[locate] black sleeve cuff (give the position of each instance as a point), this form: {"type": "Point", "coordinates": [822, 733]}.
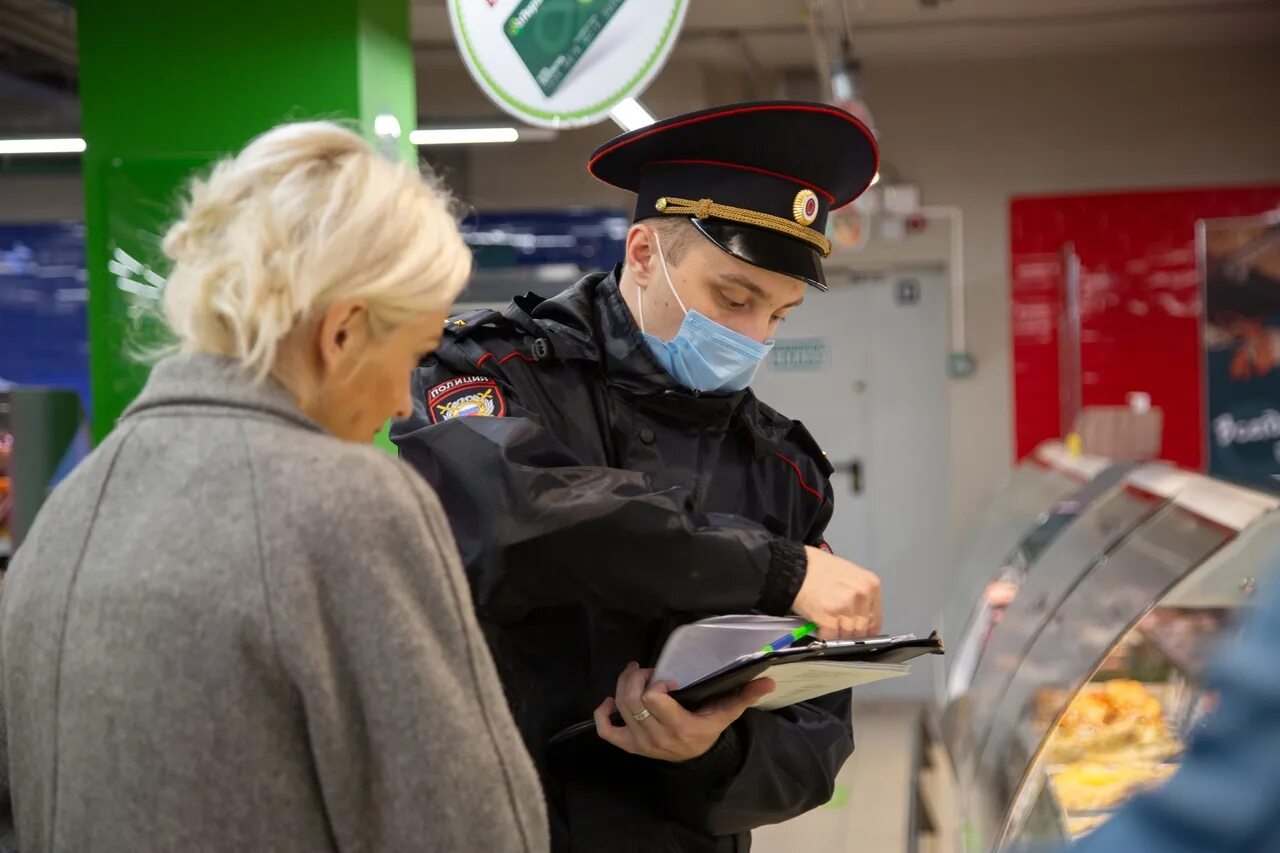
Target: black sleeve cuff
{"type": "Point", "coordinates": [788, 564]}
{"type": "Point", "coordinates": [714, 767]}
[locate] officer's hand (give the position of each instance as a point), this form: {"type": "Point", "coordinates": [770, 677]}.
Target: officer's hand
{"type": "Point", "coordinates": [842, 598]}
{"type": "Point", "coordinates": [669, 732]}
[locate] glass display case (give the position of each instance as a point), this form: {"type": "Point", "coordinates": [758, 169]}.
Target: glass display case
{"type": "Point", "coordinates": [1043, 494]}
{"type": "Point", "coordinates": [1034, 583]}
{"type": "Point", "coordinates": [1092, 700]}
{"type": "Point", "coordinates": [1038, 483]}
{"type": "Point", "coordinates": [999, 589]}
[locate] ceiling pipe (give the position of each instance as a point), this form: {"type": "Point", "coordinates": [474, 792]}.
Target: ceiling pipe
{"type": "Point", "coordinates": [23, 26]}
{"type": "Point", "coordinates": [37, 40]}
{"type": "Point", "coordinates": [955, 217]}
{"type": "Point", "coordinates": [821, 59]}
{"type": "Point", "coordinates": [871, 28]}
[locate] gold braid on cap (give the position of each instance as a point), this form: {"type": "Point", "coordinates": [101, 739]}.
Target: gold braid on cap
{"type": "Point", "coordinates": [708, 209]}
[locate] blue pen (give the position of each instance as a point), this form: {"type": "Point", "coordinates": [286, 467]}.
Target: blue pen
{"type": "Point", "coordinates": [787, 639]}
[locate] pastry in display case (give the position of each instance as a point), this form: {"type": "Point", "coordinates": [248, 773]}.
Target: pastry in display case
{"type": "Point", "coordinates": [1112, 721]}
{"type": "Point", "coordinates": [1113, 740]}
{"type": "Point", "coordinates": [1108, 691]}
{"type": "Point", "coordinates": [1083, 788]}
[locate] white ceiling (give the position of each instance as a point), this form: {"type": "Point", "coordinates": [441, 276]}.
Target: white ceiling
{"type": "Point", "coordinates": [774, 32]}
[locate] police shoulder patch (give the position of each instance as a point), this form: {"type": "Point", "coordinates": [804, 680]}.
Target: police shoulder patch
{"type": "Point", "coordinates": [466, 397]}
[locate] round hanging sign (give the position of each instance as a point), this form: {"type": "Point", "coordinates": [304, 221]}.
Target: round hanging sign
{"type": "Point", "coordinates": [564, 63]}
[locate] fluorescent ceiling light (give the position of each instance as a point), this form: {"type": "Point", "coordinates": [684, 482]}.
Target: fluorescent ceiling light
{"type": "Point", "coordinates": [631, 115]}
{"type": "Point", "coordinates": [464, 135]}
{"type": "Point", "coordinates": [41, 146]}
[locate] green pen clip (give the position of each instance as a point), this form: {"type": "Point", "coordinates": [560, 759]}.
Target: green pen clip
{"type": "Point", "coordinates": [789, 638]}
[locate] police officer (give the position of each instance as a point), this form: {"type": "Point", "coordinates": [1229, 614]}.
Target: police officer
{"type": "Point", "coordinates": [609, 476]}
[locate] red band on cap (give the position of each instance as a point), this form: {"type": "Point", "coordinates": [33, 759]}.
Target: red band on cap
{"type": "Point", "coordinates": [819, 190]}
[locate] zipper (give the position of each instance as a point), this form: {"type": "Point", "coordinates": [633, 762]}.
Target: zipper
{"type": "Point", "coordinates": [698, 474]}
{"type": "Point", "coordinates": [603, 410]}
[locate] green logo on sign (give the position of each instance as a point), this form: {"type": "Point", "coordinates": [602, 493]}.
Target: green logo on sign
{"type": "Point", "coordinates": [522, 16]}
{"type": "Point", "coordinates": [550, 36]}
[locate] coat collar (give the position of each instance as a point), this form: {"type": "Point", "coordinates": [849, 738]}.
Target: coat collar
{"type": "Point", "coordinates": [215, 381]}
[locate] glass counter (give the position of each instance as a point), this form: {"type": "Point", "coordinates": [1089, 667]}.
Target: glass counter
{"type": "Point", "coordinates": [1106, 688]}
{"type": "Point", "coordinates": [1038, 579]}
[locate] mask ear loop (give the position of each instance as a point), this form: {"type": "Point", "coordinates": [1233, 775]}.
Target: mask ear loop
{"type": "Point", "coordinates": [667, 273]}
{"type": "Point", "coordinates": [640, 305]}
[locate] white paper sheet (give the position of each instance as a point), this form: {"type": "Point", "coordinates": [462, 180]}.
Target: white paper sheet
{"type": "Point", "coordinates": [804, 680]}
{"type": "Point", "coordinates": [701, 648]}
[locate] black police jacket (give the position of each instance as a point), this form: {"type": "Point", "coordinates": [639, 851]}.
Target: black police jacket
{"type": "Point", "coordinates": [598, 506]}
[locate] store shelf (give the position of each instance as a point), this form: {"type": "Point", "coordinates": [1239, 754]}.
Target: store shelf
{"type": "Point", "coordinates": [935, 823]}
{"type": "Point", "coordinates": [1055, 455]}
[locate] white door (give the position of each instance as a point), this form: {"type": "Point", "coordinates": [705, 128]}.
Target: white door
{"type": "Point", "coordinates": [877, 405]}
{"type": "Point", "coordinates": [817, 373]}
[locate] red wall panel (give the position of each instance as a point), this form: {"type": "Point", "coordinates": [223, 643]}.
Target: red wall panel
{"type": "Point", "coordinates": [1139, 298]}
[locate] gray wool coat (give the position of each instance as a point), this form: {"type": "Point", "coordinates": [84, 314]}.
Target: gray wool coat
{"type": "Point", "coordinates": [229, 630]}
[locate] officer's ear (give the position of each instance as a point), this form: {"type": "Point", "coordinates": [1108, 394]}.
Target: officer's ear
{"type": "Point", "coordinates": [642, 254]}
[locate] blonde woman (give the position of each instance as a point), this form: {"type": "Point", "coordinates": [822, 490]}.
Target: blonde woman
{"type": "Point", "coordinates": [236, 626]}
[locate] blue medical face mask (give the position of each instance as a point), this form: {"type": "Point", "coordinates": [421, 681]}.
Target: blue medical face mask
{"type": "Point", "coordinates": [704, 355]}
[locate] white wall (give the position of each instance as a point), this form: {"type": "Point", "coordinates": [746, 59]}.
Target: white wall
{"type": "Point", "coordinates": [976, 135]}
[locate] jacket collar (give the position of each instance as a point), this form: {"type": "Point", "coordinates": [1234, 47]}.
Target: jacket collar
{"type": "Point", "coordinates": [592, 321]}
{"type": "Point", "coordinates": [204, 379]}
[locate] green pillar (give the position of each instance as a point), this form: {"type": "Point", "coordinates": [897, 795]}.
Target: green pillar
{"type": "Point", "coordinates": [168, 87]}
